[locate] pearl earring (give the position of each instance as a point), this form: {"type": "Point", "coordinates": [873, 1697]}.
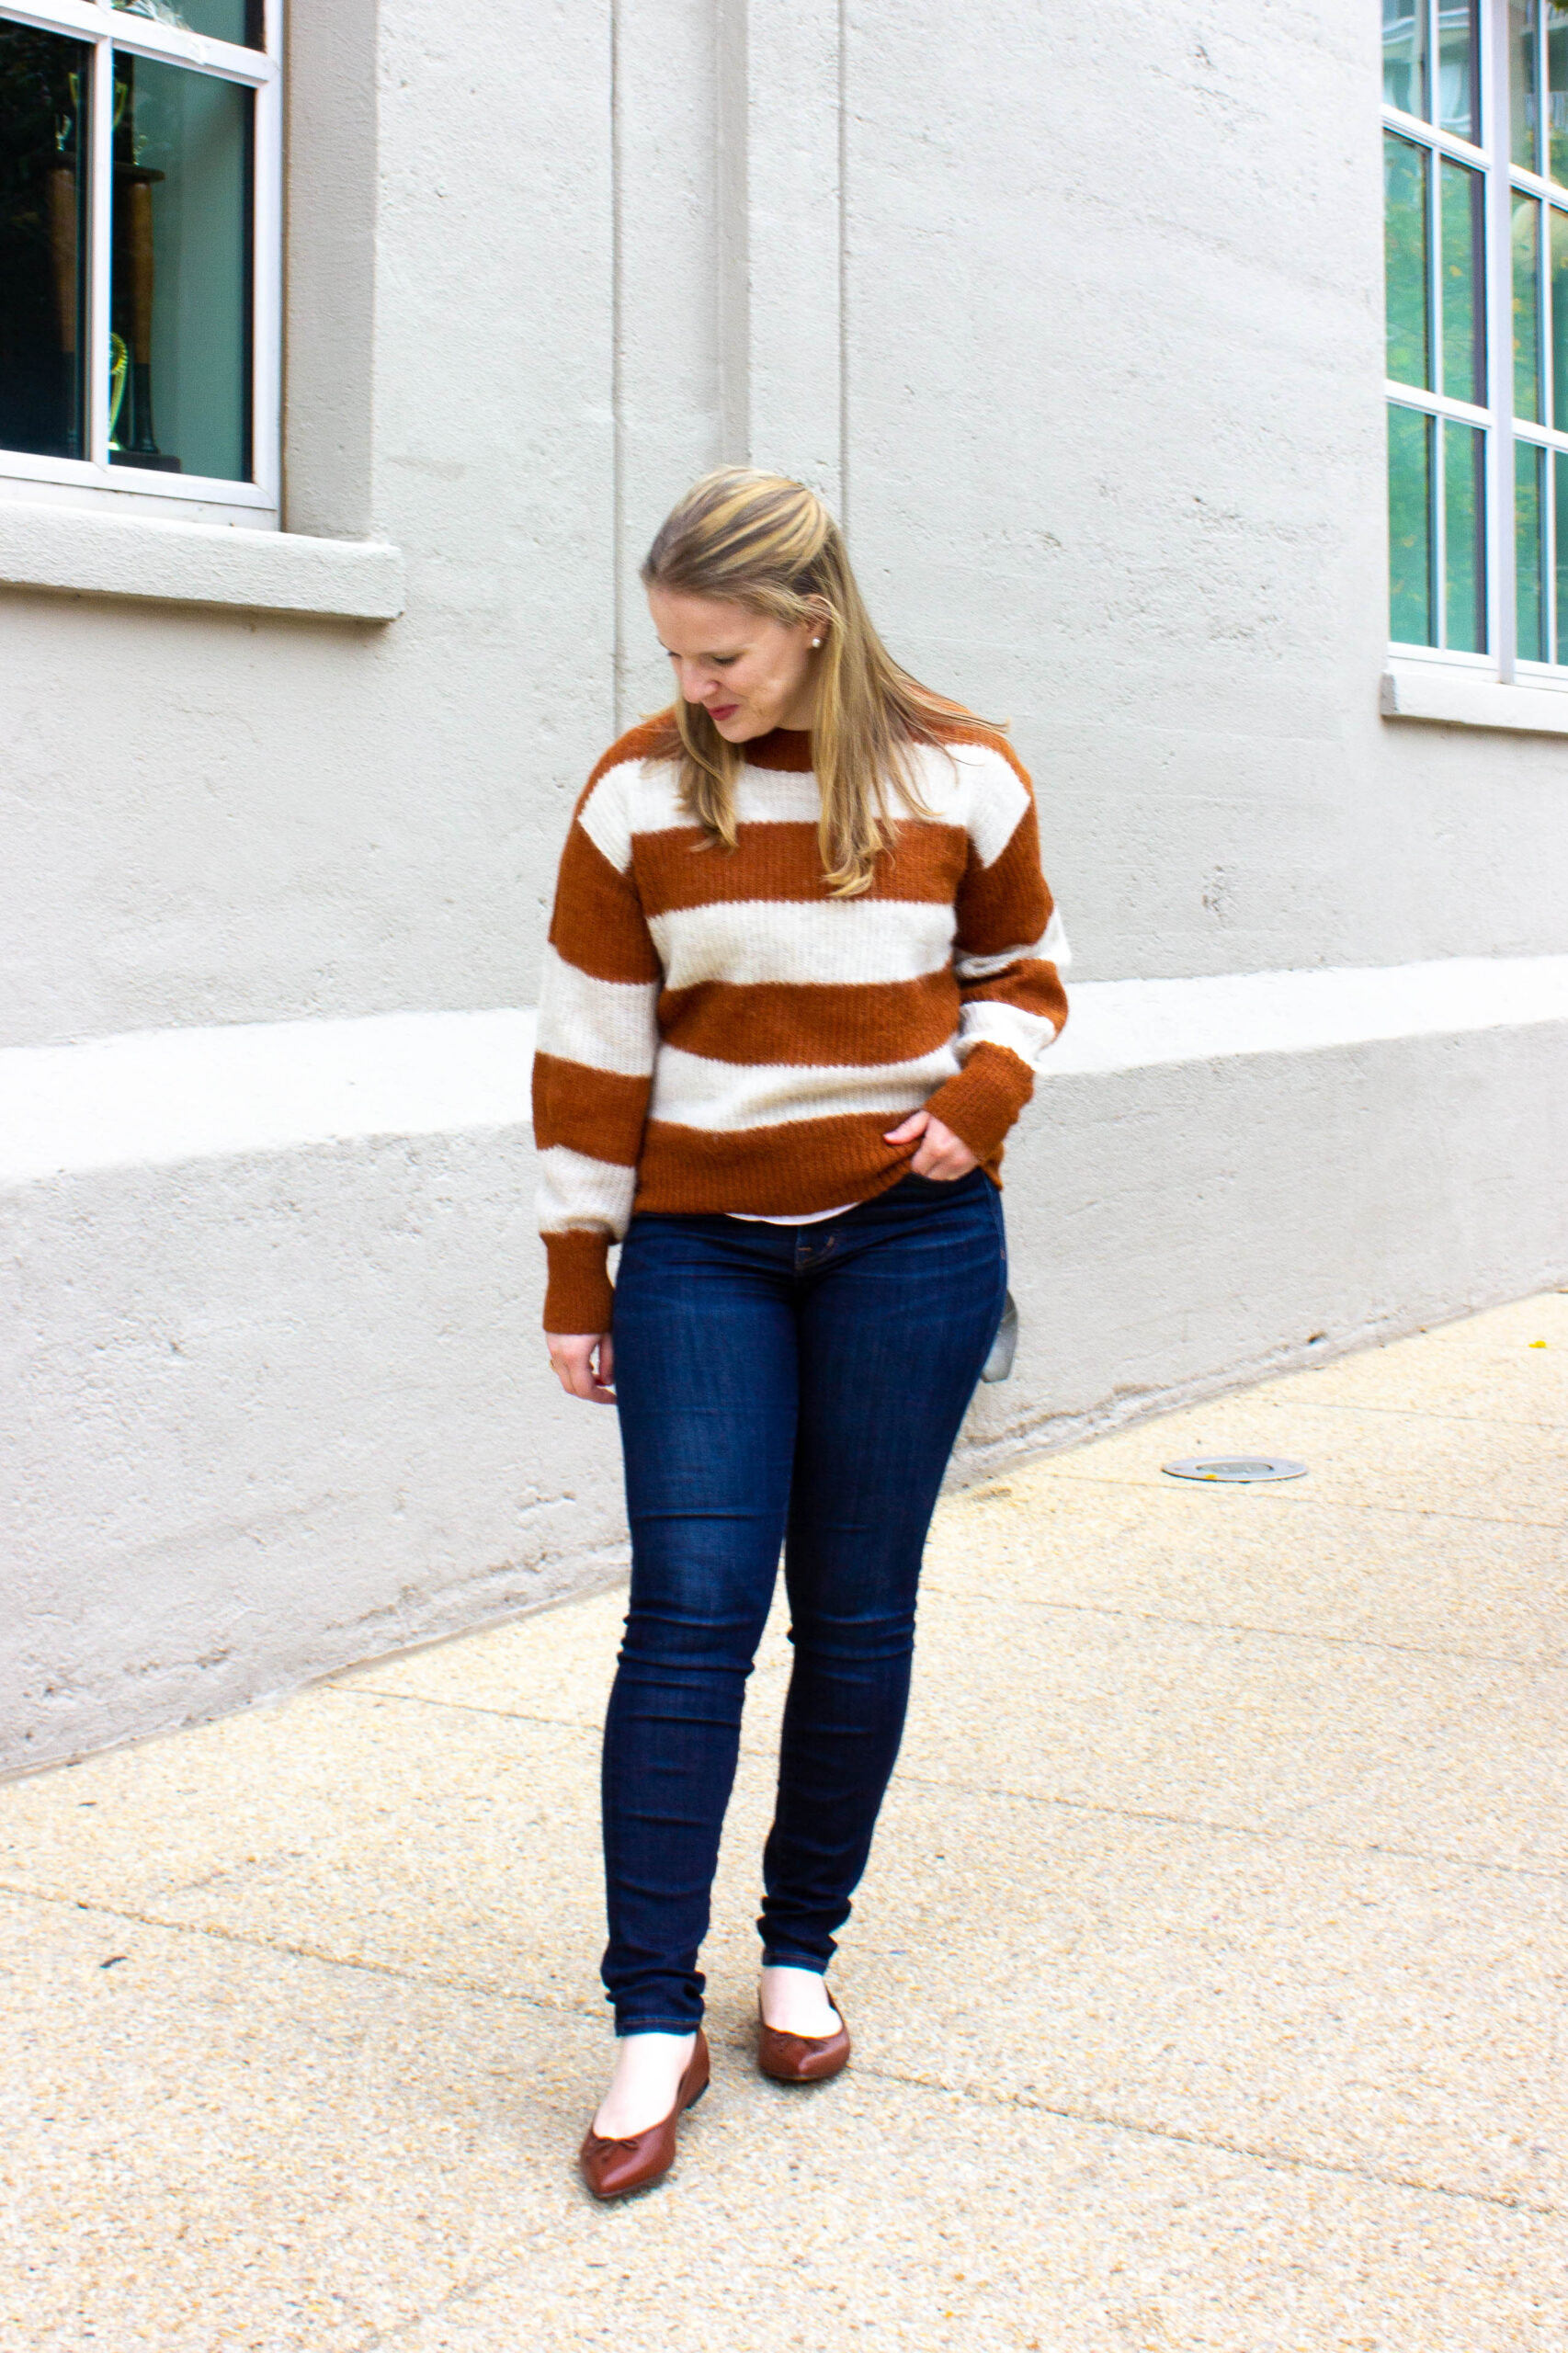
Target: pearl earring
{"type": "Point", "coordinates": [815, 642]}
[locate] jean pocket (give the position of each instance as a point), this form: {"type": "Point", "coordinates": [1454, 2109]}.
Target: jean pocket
{"type": "Point", "coordinates": [938, 1188]}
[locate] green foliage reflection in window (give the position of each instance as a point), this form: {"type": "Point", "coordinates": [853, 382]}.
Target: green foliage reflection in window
{"type": "Point", "coordinates": [1406, 261]}
{"type": "Point", "coordinates": [1465, 346]}
{"type": "Point", "coordinates": [1464, 540]}
{"type": "Point", "coordinates": [1529, 551]}
{"type": "Point", "coordinates": [1411, 601]}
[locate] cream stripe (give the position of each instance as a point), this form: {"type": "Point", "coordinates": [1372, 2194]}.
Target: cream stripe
{"type": "Point", "coordinates": [1025, 1034]}
{"type": "Point", "coordinates": [996, 802]}
{"type": "Point", "coordinates": [638, 797]}
{"type": "Point", "coordinates": [969, 785]}
{"type": "Point", "coordinates": [842, 941]}
{"type": "Point", "coordinates": [578, 1195]}
{"type": "Point", "coordinates": [974, 788]}
{"type": "Point", "coordinates": [604, 817]}
{"type": "Point", "coordinates": [724, 1097]}
{"type": "Point", "coordinates": [608, 1025]}
{"type": "Point", "coordinates": [777, 797]}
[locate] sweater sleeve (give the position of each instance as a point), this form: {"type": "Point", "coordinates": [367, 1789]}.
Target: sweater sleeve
{"type": "Point", "coordinates": [1009, 950]}
{"type": "Point", "coordinates": [593, 1059]}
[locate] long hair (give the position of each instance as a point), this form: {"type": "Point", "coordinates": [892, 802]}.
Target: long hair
{"type": "Point", "coordinates": [761, 541]}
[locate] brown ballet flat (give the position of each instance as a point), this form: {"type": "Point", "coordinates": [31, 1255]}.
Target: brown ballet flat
{"type": "Point", "coordinates": [611, 2168]}
{"type": "Point", "coordinates": [801, 2058]}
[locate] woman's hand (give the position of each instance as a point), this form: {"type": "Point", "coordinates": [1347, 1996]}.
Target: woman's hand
{"type": "Point", "coordinates": [573, 1353]}
{"type": "Point", "coordinates": [942, 1154]}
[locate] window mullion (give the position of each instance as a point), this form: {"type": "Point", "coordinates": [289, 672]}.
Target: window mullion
{"type": "Point", "coordinates": [1500, 333]}
{"type": "Point", "coordinates": [1439, 524]}
{"type": "Point", "coordinates": [84, 21]}
{"type": "Point", "coordinates": [1548, 540]}
{"type": "Point", "coordinates": [1434, 270]}
{"type": "Point", "coordinates": [1440, 531]}
{"type": "Point", "coordinates": [1448, 142]}
{"type": "Point", "coordinates": [267, 289]}
{"type": "Point", "coordinates": [101, 258]}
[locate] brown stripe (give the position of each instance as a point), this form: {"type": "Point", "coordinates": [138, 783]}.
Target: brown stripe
{"type": "Point", "coordinates": [784, 1171]}
{"type": "Point", "coordinates": [577, 1297]}
{"type": "Point", "coordinates": [1032, 985]}
{"type": "Point", "coordinates": [1001, 904]}
{"type": "Point", "coordinates": [598, 924]}
{"type": "Point", "coordinates": [790, 748]}
{"type": "Point", "coordinates": [676, 868]}
{"type": "Point", "coordinates": [597, 1112]}
{"type": "Point", "coordinates": [787, 749]}
{"type": "Point", "coordinates": [826, 1025]}
{"type": "Point", "coordinates": [981, 1104]}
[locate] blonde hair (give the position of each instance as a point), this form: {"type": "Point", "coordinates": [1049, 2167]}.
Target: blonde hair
{"type": "Point", "coordinates": [761, 541]}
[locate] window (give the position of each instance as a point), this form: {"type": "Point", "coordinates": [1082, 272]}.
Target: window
{"type": "Point", "coordinates": [139, 251]}
{"type": "Point", "coordinates": [1441, 433]}
{"type": "Point", "coordinates": [1537, 200]}
{"type": "Point", "coordinates": [1475, 184]}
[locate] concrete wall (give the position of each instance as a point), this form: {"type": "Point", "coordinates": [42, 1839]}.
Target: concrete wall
{"type": "Point", "coordinates": [1078, 314]}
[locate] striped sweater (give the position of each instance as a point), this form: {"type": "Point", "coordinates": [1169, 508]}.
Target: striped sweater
{"type": "Point", "coordinates": [716, 1032]}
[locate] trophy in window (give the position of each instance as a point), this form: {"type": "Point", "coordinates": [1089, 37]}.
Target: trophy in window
{"type": "Point", "coordinates": [135, 281]}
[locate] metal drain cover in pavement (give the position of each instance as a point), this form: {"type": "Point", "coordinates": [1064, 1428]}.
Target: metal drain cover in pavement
{"type": "Point", "coordinates": [1237, 1470]}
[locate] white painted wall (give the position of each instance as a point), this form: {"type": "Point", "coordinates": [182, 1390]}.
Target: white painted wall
{"type": "Point", "coordinates": [1079, 314]}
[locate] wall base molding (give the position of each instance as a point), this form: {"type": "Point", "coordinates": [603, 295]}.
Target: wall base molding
{"type": "Point", "coordinates": [164, 1097]}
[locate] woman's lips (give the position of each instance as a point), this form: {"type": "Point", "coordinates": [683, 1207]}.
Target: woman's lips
{"type": "Point", "coordinates": [723, 709]}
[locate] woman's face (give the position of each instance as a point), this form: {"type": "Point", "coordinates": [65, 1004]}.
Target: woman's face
{"type": "Point", "coordinates": [748, 673]}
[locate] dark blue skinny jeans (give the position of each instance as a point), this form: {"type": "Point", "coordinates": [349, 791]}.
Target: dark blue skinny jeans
{"type": "Point", "coordinates": [799, 1387]}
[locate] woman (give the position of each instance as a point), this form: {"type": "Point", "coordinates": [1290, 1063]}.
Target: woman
{"type": "Point", "coordinates": [802, 963]}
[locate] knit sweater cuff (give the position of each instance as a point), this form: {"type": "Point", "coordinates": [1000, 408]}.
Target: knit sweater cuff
{"type": "Point", "coordinates": [981, 1104]}
{"type": "Point", "coordinates": [579, 1296]}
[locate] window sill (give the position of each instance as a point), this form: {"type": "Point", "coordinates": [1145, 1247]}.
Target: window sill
{"type": "Point", "coordinates": [76, 553]}
{"type": "Point", "coordinates": [1465, 698]}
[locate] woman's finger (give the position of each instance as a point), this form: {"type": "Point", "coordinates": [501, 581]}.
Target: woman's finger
{"type": "Point", "coordinates": [572, 1355]}
{"type": "Point", "coordinates": [942, 1156]}
{"type": "Point", "coordinates": [915, 1125]}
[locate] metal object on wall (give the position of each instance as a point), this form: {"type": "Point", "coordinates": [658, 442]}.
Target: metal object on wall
{"type": "Point", "coordinates": [1005, 1347]}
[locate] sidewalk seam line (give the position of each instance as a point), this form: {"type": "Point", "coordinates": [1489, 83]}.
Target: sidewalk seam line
{"type": "Point", "coordinates": [1030, 2105]}
{"type": "Point", "coordinates": [1553, 1871]}
{"type": "Point", "coordinates": [1050, 1797]}
{"type": "Point", "coordinates": [1272, 1496]}
{"type": "Point", "coordinates": [1415, 1413]}
{"type": "Point", "coordinates": [238, 1936]}
{"type": "Point", "coordinates": [1237, 1626]}
{"type": "Point", "coordinates": [1026, 2102]}
{"type": "Point", "coordinates": [1029, 1796]}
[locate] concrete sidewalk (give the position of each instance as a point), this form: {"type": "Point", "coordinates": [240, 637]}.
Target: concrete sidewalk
{"type": "Point", "coordinates": [1208, 1983]}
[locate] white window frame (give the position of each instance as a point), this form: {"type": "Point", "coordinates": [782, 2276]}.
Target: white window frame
{"type": "Point", "coordinates": [1496, 418]}
{"type": "Point", "coordinates": [1502, 179]}
{"type": "Point", "coordinates": [92, 482]}
{"type": "Point", "coordinates": [1552, 196]}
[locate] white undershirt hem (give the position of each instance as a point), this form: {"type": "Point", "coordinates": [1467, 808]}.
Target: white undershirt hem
{"type": "Point", "coordinates": [812, 1217]}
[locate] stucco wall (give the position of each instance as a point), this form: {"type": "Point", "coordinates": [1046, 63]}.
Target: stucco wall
{"type": "Point", "coordinates": [1078, 314]}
